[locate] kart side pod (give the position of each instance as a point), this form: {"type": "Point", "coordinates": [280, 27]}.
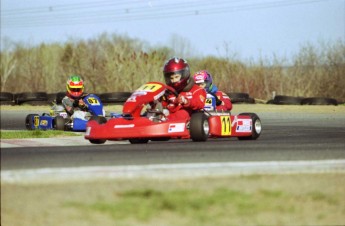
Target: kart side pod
{"type": "Point", "coordinates": [245, 126]}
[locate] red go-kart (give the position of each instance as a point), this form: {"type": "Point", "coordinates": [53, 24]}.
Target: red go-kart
{"type": "Point", "coordinates": [143, 119]}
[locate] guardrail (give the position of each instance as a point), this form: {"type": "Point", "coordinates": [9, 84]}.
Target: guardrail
{"type": "Point", "coordinates": [43, 98]}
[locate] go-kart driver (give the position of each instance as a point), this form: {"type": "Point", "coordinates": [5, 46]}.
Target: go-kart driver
{"type": "Point", "coordinates": [204, 79]}
{"type": "Point", "coordinates": [73, 102]}
{"type": "Point", "coordinates": [190, 96]}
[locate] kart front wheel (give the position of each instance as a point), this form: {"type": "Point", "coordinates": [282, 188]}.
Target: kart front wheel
{"type": "Point", "coordinates": [138, 141]}
{"type": "Point", "coordinates": [256, 127]}
{"type": "Point", "coordinates": [59, 123]}
{"type": "Point", "coordinates": [199, 127]}
{"type": "Point", "coordinates": [30, 121]}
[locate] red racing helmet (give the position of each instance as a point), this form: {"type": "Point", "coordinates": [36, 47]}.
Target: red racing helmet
{"type": "Point", "coordinates": [177, 66]}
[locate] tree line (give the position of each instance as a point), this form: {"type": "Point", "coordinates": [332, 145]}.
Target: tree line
{"type": "Point", "coordinates": [114, 63]}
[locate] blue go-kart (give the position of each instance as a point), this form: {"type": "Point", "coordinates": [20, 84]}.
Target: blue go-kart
{"type": "Point", "coordinates": [58, 118]}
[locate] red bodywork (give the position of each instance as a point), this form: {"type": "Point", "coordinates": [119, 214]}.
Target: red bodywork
{"type": "Point", "coordinates": [133, 125]}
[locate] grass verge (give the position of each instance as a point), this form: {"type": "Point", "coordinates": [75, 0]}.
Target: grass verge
{"type": "Point", "coordinates": [296, 199]}
{"type": "Point", "coordinates": [20, 134]}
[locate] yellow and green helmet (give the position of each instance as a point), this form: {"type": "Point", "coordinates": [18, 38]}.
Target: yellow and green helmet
{"type": "Point", "coordinates": [75, 86]}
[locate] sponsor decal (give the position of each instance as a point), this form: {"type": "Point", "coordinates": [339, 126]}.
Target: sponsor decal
{"type": "Point", "coordinates": [176, 127]}
{"type": "Point", "coordinates": [202, 98]}
{"type": "Point", "coordinates": [159, 95]}
{"type": "Point", "coordinates": [131, 99]}
{"type": "Point", "coordinates": [63, 114]}
{"type": "Point", "coordinates": [244, 125]}
{"type": "Point", "coordinates": [36, 121]}
{"type": "Point", "coordinates": [93, 101]}
{"type": "Point", "coordinates": [208, 101]}
{"type": "Point", "coordinates": [43, 122]}
{"type": "Point", "coordinates": [199, 78]}
{"type": "Point", "coordinates": [123, 126]}
{"type": "Point", "coordinates": [226, 125]}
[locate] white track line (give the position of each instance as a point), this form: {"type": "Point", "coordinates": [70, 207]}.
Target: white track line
{"type": "Point", "coordinates": [171, 171]}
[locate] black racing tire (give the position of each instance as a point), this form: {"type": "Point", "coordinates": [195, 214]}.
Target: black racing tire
{"type": "Point", "coordinates": [29, 121]}
{"type": "Point", "coordinates": [99, 120]}
{"type": "Point", "coordinates": [250, 100]}
{"type": "Point", "coordinates": [199, 127]}
{"type": "Point", "coordinates": [270, 101]}
{"type": "Point", "coordinates": [59, 97]}
{"type": "Point", "coordinates": [256, 127]}
{"type": "Point", "coordinates": [138, 141]}
{"type": "Point", "coordinates": [160, 139]}
{"type": "Point", "coordinates": [36, 103]}
{"type": "Point", "coordinates": [319, 101]}
{"type": "Point", "coordinates": [51, 97]}
{"type": "Point", "coordinates": [287, 100]}
{"type": "Point", "coordinates": [21, 98]}
{"type": "Point", "coordinates": [115, 97]}
{"type": "Point", "coordinates": [6, 96]}
{"type": "Point", "coordinates": [11, 103]}
{"type": "Point", "coordinates": [59, 123]}
{"type": "Point", "coordinates": [239, 97]}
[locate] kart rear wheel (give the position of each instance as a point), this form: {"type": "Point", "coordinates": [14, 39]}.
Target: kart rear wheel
{"type": "Point", "coordinates": [199, 127]}
{"type": "Point", "coordinates": [138, 141]}
{"type": "Point", "coordinates": [256, 127]}
{"type": "Point", "coordinates": [29, 121]}
{"type": "Point", "coordinates": [59, 123]}
{"type": "Point", "coordinates": [99, 120]}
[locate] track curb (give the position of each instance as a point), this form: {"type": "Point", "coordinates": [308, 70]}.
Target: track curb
{"type": "Point", "coordinates": [171, 171]}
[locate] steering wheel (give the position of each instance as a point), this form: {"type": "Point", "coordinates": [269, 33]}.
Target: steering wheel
{"type": "Point", "coordinates": [170, 90]}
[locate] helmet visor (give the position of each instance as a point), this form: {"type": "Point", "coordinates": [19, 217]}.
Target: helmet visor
{"type": "Point", "coordinates": [76, 90]}
{"type": "Point", "coordinates": [174, 77]}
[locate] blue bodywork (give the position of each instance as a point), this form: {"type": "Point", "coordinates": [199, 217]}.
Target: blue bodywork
{"type": "Point", "coordinates": [49, 121]}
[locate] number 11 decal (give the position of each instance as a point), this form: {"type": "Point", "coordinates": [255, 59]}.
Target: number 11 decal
{"type": "Point", "coordinates": [226, 125]}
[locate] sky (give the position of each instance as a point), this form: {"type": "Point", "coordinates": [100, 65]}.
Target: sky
{"type": "Point", "coordinates": [245, 29]}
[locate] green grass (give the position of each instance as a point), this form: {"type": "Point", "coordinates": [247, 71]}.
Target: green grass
{"type": "Point", "coordinates": [144, 205]}
{"type": "Point", "coordinates": [35, 134]}
{"type": "Point", "coordinates": [296, 199]}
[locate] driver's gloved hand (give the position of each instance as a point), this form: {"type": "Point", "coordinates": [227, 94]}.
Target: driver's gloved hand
{"type": "Point", "coordinates": [218, 102]}
{"type": "Point", "coordinates": [76, 103]}
{"type": "Point", "coordinates": [181, 99]}
{"type": "Point", "coordinates": [83, 107]}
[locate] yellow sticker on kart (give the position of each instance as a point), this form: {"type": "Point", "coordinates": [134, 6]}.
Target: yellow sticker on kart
{"type": "Point", "coordinates": [208, 101]}
{"type": "Point", "coordinates": [226, 125]}
{"type": "Point", "coordinates": [36, 121]}
{"type": "Point", "coordinates": [92, 101]}
{"type": "Point", "coordinates": [150, 87]}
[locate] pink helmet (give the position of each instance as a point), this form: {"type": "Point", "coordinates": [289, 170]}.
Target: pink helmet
{"type": "Point", "coordinates": [203, 77]}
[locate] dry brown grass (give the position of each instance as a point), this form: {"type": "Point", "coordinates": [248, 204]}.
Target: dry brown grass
{"type": "Point", "coordinates": [113, 63]}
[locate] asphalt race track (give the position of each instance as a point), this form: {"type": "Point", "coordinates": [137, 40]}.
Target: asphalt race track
{"type": "Point", "coordinates": [285, 137]}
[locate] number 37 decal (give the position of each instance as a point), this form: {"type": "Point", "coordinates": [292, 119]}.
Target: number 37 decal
{"type": "Point", "coordinates": [226, 125]}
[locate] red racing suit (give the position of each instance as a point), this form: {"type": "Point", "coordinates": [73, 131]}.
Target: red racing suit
{"type": "Point", "coordinates": [226, 104]}
{"type": "Point", "coordinates": [181, 107]}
